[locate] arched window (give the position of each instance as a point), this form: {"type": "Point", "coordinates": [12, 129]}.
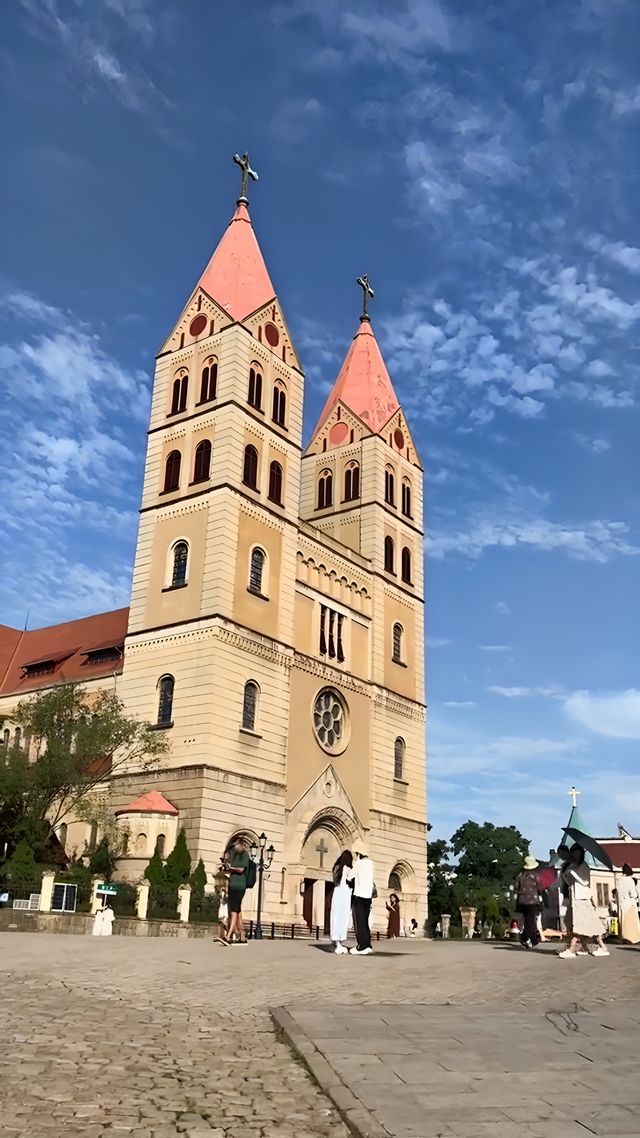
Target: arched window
{"type": "Point", "coordinates": [172, 471]}
{"type": "Point", "coordinates": [398, 758]}
{"type": "Point", "coordinates": [352, 482]}
{"type": "Point", "coordinates": [124, 844]}
{"type": "Point", "coordinates": [209, 381]}
{"type": "Point", "coordinates": [279, 409]}
{"type": "Point", "coordinates": [165, 701]}
{"type": "Point", "coordinates": [395, 882]}
{"type": "Point", "coordinates": [389, 486]}
{"type": "Point", "coordinates": [93, 835]}
{"type": "Point", "coordinates": [250, 705]}
{"type": "Point", "coordinates": [62, 834]}
{"type": "Point", "coordinates": [202, 464]}
{"type": "Point", "coordinates": [398, 643]}
{"type": "Point", "coordinates": [275, 483]}
{"type": "Point", "coordinates": [256, 570]}
{"type": "Point", "coordinates": [389, 555]}
{"type": "Point", "coordinates": [180, 559]}
{"type": "Point", "coordinates": [250, 468]}
{"type": "Point", "coordinates": [179, 398]}
{"type": "Point", "coordinates": [325, 490]}
{"type": "Point", "coordinates": [254, 397]}
{"type": "Point", "coordinates": [17, 737]}
{"type": "Point", "coordinates": [406, 565]}
{"type": "Point", "coordinates": [406, 498]}
{"type": "Point", "coordinates": [161, 841]}
{"type": "Point", "coordinates": [6, 737]}
{"type": "Point", "coordinates": [140, 848]}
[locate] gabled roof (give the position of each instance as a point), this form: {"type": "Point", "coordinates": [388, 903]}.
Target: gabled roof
{"type": "Point", "coordinates": [236, 276]}
{"type": "Point", "coordinates": [575, 822]}
{"type": "Point", "coordinates": [363, 383]}
{"type": "Point", "coordinates": [66, 645]}
{"type": "Point", "coordinates": [153, 802]}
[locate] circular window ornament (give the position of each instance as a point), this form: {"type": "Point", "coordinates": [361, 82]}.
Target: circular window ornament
{"type": "Point", "coordinates": [271, 335]}
{"type": "Point", "coordinates": [330, 721]}
{"type": "Point", "coordinates": [398, 439]}
{"type": "Point", "coordinates": [198, 324]}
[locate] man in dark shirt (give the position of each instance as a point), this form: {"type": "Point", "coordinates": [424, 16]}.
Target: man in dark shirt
{"type": "Point", "coordinates": [237, 864]}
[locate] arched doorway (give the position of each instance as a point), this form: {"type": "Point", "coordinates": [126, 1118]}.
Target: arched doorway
{"type": "Point", "coordinates": [328, 833]}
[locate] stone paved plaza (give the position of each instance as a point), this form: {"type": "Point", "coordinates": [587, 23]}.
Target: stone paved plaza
{"type": "Point", "coordinates": [155, 1038]}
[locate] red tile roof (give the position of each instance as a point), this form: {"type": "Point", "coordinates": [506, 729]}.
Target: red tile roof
{"type": "Point", "coordinates": [622, 853]}
{"type": "Point", "coordinates": [363, 383]}
{"type": "Point", "coordinates": [236, 276]}
{"type": "Point", "coordinates": [66, 644]}
{"type": "Point", "coordinates": [153, 802]}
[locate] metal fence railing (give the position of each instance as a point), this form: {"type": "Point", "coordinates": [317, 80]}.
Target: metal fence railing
{"type": "Point", "coordinates": [23, 896]}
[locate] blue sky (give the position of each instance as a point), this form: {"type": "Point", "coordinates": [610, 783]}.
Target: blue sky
{"type": "Point", "coordinates": [480, 162]}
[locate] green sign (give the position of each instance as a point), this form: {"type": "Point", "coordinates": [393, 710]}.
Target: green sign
{"type": "Point", "coordinates": [110, 890]}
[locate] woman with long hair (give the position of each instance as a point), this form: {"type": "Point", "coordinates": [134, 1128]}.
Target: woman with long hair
{"type": "Point", "coordinates": [586, 926]}
{"type": "Point", "coordinates": [628, 906]}
{"type": "Point", "coordinates": [393, 922]}
{"type": "Point", "coordinates": [341, 901]}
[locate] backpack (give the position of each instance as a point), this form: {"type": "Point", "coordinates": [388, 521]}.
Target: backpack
{"type": "Point", "coordinates": [251, 874]}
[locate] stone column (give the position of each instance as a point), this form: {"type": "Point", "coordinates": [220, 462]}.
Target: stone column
{"type": "Point", "coordinates": [468, 918]}
{"type": "Point", "coordinates": [445, 920]}
{"type": "Point", "coordinates": [184, 902]}
{"type": "Point", "coordinates": [96, 898]}
{"type": "Point", "coordinates": [142, 899]}
{"type": "Point", "coordinates": [46, 890]}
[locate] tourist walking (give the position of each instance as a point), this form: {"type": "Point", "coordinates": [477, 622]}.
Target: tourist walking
{"type": "Point", "coordinates": [237, 865]}
{"type": "Point", "coordinates": [628, 906]}
{"type": "Point", "coordinates": [341, 901]}
{"type": "Point", "coordinates": [393, 922]}
{"type": "Point", "coordinates": [529, 902]}
{"type": "Point", "coordinates": [585, 926]}
{"type": "Point", "coordinates": [362, 898]}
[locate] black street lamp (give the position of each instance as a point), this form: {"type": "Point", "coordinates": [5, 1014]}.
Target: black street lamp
{"type": "Point", "coordinates": [263, 858]}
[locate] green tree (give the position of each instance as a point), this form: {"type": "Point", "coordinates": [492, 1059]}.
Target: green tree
{"type": "Point", "coordinates": [103, 860]}
{"type": "Point", "coordinates": [198, 881]}
{"type": "Point", "coordinates": [78, 738]}
{"type": "Point", "coordinates": [441, 875]}
{"type": "Point", "coordinates": [155, 874]}
{"type": "Point", "coordinates": [178, 864]}
{"type": "Point", "coordinates": [489, 859]}
{"type": "Point", "coordinates": [21, 868]}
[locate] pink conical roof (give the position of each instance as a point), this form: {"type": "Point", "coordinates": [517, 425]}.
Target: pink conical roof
{"type": "Point", "coordinates": [236, 276]}
{"type": "Point", "coordinates": [363, 383]}
{"type": "Point", "coordinates": [151, 803]}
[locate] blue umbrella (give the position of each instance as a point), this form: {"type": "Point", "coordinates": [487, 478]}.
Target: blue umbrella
{"type": "Point", "coordinates": [590, 845]}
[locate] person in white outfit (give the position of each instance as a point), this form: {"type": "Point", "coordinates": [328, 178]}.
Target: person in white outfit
{"type": "Point", "coordinates": [108, 917]}
{"type": "Point", "coordinates": [341, 901]}
{"type": "Point", "coordinates": [362, 898]}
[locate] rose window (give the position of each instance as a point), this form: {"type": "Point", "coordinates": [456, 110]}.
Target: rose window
{"type": "Point", "coordinates": [330, 720]}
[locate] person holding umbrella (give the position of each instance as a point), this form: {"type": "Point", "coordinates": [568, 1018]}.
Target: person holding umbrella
{"type": "Point", "coordinates": [586, 926]}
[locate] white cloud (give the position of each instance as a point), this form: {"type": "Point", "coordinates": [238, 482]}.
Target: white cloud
{"type": "Point", "coordinates": [504, 608]}
{"type": "Point", "coordinates": [438, 642]}
{"type": "Point", "coordinates": [461, 704]}
{"type": "Point", "coordinates": [626, 255]}
{"type": "Point", "coordinates": [626, 102]}
{"type": "Point", "coordinates": [296, 119]}
{"type": "Point", "coordinates": [593, 541]}
{"type": "Point", "coordinates": [614, 714]}
{"type": "Point", "coordinates": [594, 445]}
{"type": "Point", "coordinates": [551, 692]}
{"type": "Point", "coordinates": [494, 647]}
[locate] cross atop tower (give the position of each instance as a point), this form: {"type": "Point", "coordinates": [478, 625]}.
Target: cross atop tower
{"type": "Point", "coordinates": [367, 292]}
{"type": "Point", "coordinates": [573, 794]}
{"type": "Point", "coordinates": [247, 172]}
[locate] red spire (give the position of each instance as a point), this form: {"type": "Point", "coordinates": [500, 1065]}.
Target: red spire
{"type": "Point", "coordinates": [363, 383]}
{"type": "Point", "coordinates": [236, 276]}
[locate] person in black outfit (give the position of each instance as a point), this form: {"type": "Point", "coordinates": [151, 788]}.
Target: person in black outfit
{"type": "Point", "coordinates": [529, 902]}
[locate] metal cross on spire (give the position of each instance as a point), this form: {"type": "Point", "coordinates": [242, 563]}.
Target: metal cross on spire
{"type": "Point", "coordinates": [573, 795]}
{"type": "Point", "coordinates": [247, 172]}
{"type": "Point", "coordinates": [367, 291]}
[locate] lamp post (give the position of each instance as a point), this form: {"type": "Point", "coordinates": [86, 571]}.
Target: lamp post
{"type": "Point", "coordinates": [262, 858]}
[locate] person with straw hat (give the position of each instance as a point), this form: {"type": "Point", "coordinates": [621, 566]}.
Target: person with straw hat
{"type": "Point", "coordinates": [363, 889]}
{"type": "Point", "coordinates": [529, 902]}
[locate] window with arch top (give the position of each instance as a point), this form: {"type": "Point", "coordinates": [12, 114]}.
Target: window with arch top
{"type": "Point", "coordinates": [179, 396]}
{"type": "Point", "coordinates": [250, 468]}
{"type": "Point", "coordinates": [389, 555]}
{"type": "Point", "coordinates": [254, 396]}
{"type": "Point", "coordinates": [256, 570]}
{"type": "Point", "coordinates": [209, 381]}
{"type": "Point", "coordinates": [406, 498]}
{"type": "Point", "coordinates": [172, 471]}
{"type": "Point", "coordinates": [398, 759]}
{"type": "Point", "coordinates": [406, 565]}
{"type": "Point", "coordinates": [397, 648]}
{"type": "Point", "coordinates": [180, 561]}
{"type": "Point", "coordinates": [352, 482]}
{"type": "Point", "coordinates": [279, 407]}
{"type": "Point", "coordinates": [275, 483]}
{"type": "Point", "coordinates": [166, 686]}
{"type": "Point", "coordinates": [202, 464]}
{"type": "Point", "coordinates": [325, 490]}
{"type": "Point", "coordinates": [250, 705]}
{"type": "Point", "coordinates": [389, 486]}
{"type": "Point", "coordinates": [160, 845]}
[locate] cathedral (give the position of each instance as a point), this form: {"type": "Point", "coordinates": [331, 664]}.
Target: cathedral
{"type": "Point", "coordinates": [276, 625]}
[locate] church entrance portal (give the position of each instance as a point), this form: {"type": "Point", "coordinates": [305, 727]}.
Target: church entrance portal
{"type": "Point", "coordinates": [307, 901]}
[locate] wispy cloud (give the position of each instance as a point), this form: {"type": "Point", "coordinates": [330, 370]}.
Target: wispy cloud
{"type": "Point", "coordinates": [591, 444]}
{"type": "Point", "coordinates": [495, 647]}
{"type": "Point", "coordinates": [613, 714]}
{"type": "Point", "coordinates": [461, 704]}
{"type": "Point", "coordinates": [504, 608]}
{"type": "Point", "coordinates": [551, 692]}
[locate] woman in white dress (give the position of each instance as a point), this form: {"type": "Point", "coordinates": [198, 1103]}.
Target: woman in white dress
{"type": "Point", "coordinates": [586, 926]}
{"type": "Point", "coordinates": [341, 901]}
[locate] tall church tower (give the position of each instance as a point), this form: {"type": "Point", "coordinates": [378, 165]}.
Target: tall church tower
{"type": "Point", "coordinates": [276, 622]}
